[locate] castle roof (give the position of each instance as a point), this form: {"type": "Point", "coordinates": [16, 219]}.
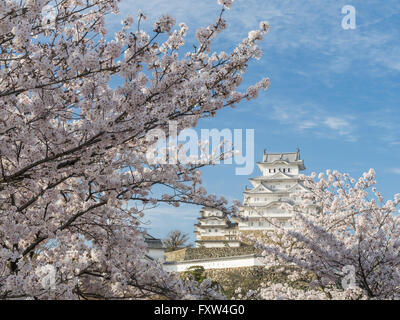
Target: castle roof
{"type": "Point", "coordinates": [276, 176]}
{"type": "Point", "coordinates": [263, 189]}
{"type": "Point", "coordinates": [288, 157]}
{"type": "Point", "coordinates": [152, 242]}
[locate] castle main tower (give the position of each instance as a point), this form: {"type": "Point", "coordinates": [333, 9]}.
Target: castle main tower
{"type": "Point", "coordinates": [278, 183]}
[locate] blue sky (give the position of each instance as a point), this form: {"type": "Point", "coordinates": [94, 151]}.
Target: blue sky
{"type": "Point", "coordinates": [334, 93]}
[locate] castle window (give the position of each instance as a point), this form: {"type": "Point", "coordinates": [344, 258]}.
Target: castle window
{"type": "Point", "coordinates": [284, 170]}
{"type": "Point", "coordinates": [288, 170]}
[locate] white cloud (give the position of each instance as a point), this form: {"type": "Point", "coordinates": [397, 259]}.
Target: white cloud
{"type": "Point", "coordinates": [341, 125]}
{"type": "Point", "coordinates": [311, 117]}
{"type": "Point", "coordinates": [307, 124]}
{"type": "Point", "coordinates": [395, 170]}
{"type": "Point", "coordinates": [313, 25]}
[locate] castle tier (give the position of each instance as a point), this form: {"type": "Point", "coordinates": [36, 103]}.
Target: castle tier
{"type": "Point", "coordinates": [278, 183]}
{"type": "Point", "coordinates": [214, 229]}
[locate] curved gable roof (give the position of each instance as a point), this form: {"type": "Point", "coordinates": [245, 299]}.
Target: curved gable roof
{"type": "Point", "coordinates": [260, 188]}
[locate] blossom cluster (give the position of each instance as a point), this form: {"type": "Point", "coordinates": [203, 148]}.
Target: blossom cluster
{"type": "Point", "coordinates": [74, 178]}
{"type": "Point", "coordinates": [344, 233]}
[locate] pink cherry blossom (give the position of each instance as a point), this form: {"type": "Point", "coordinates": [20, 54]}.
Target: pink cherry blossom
{"type": "Point", "coordinates": [339, 224]}
{"type": "Point", "coordinates": [74, 177]}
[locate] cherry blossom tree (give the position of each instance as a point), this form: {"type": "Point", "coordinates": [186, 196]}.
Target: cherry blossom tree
{"type": "Point", "coordinates": [344, 234]}
{"type": "Point", "coordinates": [74, 176]}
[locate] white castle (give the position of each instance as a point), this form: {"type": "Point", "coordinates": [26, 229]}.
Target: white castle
{"type": "Point", "coordinates": [278, 183]}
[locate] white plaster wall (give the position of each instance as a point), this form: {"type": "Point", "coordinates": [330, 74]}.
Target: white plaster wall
{"type": "Point", "coordinates": [156, 254]}
{"type": "Point", "coordinates": [220, 244]}
{"type": "Point", "coordinates": [212, 244]}
{"type": "Point", "coordinates": [216, 263]}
